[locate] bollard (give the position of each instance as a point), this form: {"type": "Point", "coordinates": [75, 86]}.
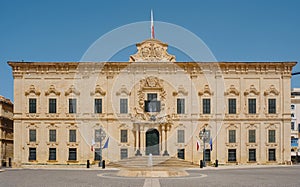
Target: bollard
{"type": "Point", "coordinates": [217, 163]}
{"type": "Point", "coordinates": [103, 164]}
{"type": "Point", "coordinates": [201, 164]}
{"type": "Point", "coordinates": [9, 162]}
{"type": "Point", "coordinates": [88, 164]}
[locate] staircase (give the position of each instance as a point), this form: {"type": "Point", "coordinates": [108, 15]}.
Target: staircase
{"type": "Point", "coordinates": [157, 162]}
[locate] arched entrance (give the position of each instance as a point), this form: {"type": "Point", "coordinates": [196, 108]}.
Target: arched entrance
{"type": "Point", "coordinates": [152, 142]}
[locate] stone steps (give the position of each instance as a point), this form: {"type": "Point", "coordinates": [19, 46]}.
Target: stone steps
{"type": "Point", "coordinates": [157, 161]}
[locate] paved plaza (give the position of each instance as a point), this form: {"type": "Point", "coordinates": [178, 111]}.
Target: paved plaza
{"type": "Point", "coordinates": [222, 176]}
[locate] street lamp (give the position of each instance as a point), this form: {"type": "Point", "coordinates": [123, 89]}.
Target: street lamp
{"type": "Point", "coordinates": [203, 135]}
{"type": "Point", "coordinates": [100, 137]}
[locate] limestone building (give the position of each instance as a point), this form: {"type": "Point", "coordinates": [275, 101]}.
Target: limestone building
{"type": "Point", "coordinates": [295, 123]}
{"type": "Point", "coordinates": [6, 131]}
{"type": "Point", "coordinates": [152, 104]}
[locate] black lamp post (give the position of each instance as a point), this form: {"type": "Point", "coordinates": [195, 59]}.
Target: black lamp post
{"type": "Point", "coordinates": [203, 135]}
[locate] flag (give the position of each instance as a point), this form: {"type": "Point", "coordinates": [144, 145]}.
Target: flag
{"type": "Point", "coordinates": [92, 145]}
{"type": "Point", "coordinates": [152, 26]}
{"type": "Point", "coordinates": [210, 143]}
{"type": "Point", "coordinates": [106, 144]}
{"type": "Point", "coordinates": [198, 145]}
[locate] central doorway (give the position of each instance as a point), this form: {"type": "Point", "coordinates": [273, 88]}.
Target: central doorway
{"type": "Point", "coordinates": [152, 142]}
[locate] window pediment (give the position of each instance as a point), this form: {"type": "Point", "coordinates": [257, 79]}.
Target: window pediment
{"type": "Point", "coordinates": [232, 90]}
{"type": "Point", "coordinates": [271, 90]}
{"type": "Point", "coordinates": [123, 90]}
{"type": "Point", "coordinates": [98, 90]}
{"type": "Point", "coordinates": [252, 90]}
{"type": "Point", "coordinates": [53, 90]}
{"type": "Point", "coordinates": [73, 90]}
{"type": "Point", "coordinates": [32, 90]}
{"type": "Point", "coordinates": [181, 90]}
{"type": "Point", "coordinates": [206, 91]}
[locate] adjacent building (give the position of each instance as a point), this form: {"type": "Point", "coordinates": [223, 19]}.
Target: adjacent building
{"type": "Point", "coordinates": [66, 112]}
{"type": "Point", "coordinates": [6, 131]}
{"type": "Point", "coordinates": [295, 123]}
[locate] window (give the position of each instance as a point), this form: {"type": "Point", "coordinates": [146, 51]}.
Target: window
{"type": "Point", "coordinates": [32, 105]}
{"type": "Point", "coordinates": [292, 125]}
{"type": "Point", "coordinates": [252, 155]}
{"type": "Point", "coordinates": [124, 153]}
{"type": "Point", "coordinates": [272, 106]}
{"type": "Point", "coordinates": [123, 136]}
{"type": "Point", "coordinates": [52, 135]}
{"type": "Point", "coordinates": [180, 106]}
{"type": "Point", "coordinates": [72, 106]}
{"type": "Point", "coordinates": [97, 154]}
{"type": "Point", "coordinates": [32, 153]}
{"type": "Point", "coordinates": [292, 107]}
{"type": "Point", "coordinates": [272, 154]}
{"type": "Point", "coordinates": [231, 155]}
{"type": "Point", "coordinates": [72, 154]}
{"type": "Point", "coordinates": [52, 153]}
{"type": "Point", "coordinates": [72, 136]}
{"type": "Point", "coordinates": [97, 135]}
{"type": "Point", "coordinates": [252, 136]}
{"type": "Point", "coordinates": [207, 155]}
{"type": "Point", "coordinates": [180, 136]}
{"type": "Point", "coordinates": [272, 136]}
{"type": "Point", "coordinates": [52, 105]}
{"type": "Point", "coordinates": [252, 106]}
{"type": "Point", "coordinates": [152, 104]}
{"type": "Point", "coordinates": [123, 106]}
{"type": "Point", "coordinates": [206, 106]}
{"type": "Point", "coordinates": [232, 138]}
{"type": "Point", "coordinates": [32, 135]}
{"type": "Point", "coordinates": [299, 127]}
{"type": "Point", "coordinates": [98, 106]}
{"type": "Point", "coordinates": [232, 106]}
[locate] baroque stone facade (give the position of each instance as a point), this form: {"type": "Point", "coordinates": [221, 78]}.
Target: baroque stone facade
{"type": "Point", "coordinates": [151, 104]}
{"type": "Point", "coordinates": [6, 131]}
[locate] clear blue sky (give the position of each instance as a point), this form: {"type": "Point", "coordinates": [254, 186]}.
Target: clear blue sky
{"type": "Point", "coordinates": [62, 30]}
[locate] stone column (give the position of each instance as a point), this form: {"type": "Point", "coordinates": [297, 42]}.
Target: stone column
{"type": "Point", "coordinates": [137, 138]}
{"type": "Point", "coordinates": [166, 138]}
{"type": "Point", "coordinates": [163, 138]}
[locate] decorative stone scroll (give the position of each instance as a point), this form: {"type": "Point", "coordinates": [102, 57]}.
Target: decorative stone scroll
{"type": "Point", "coordinates": [232, 90]}
{"type": "Point", "coordinates": [181, 90]}
{"type": "Point", "coordinates": [206, 90]}
{"type": "Point", "coordinates": [73, 90]}
{"type": "Point", "coordinates": [271, 90]}
{"type": "Point", "coordinates": [152, 50]}
{"type": "Point", "coordinates": [251, 90]}
{"type": "Point", "coordinates": [98, 90]}
{"type": "Point", "coordinates": [32, 90]}
{"type": "Point", "coordinates": [53, 90]}
{"type": "Point", "coordinates": [123, 90]}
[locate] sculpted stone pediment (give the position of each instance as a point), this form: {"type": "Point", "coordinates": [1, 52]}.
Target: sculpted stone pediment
{"type": "Point", "coordinates": [73, 90]}
{"type": "Point", "coordinates": [98, 90]}
{"type": "Point", "coordinates": [152, 50]}
{"type": "Point", "coordinates": [32, 90]}
{"type": "Point", "coordinates": [271, 90]}
{"type": "Point", "coordinates": [251, 90]}
{"type": "Point", "coordinates": [232, 90]}
{"type": "Point", "coordinates": [53, 90]}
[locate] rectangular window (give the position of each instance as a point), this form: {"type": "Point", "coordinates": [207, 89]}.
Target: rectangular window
{"type": "Point", "coordinates": [232, 138]}
{"type": "Point", "coordinates": [52, 153]}
{"type": "Point", "coordinates": [52, 105]}
{"type": "Point", "coordinates": [252, 106]}
{"type": "Point", "coordinates": [152, 96]}
{"type": "Point", "coordinates": [272, 136]}
{"type": "Point", "coordinates": [292, 125]}
{"type": "Point", "coordinates": [97, 154]}
{"type": "Point", "coordinates": [252, 155]}
{"type": "Point", "coordinates": [32, 153]}
{"type": "Point", "coordinates": [252, 136]}
{"type": "Point", "coordinates": [98, 106]}
{"type": "Point", "coordinates": [72, 154]}
{"type": "Point", "coordinates": [123, 136]}
{"type": "Point", "coordinates": [72, 135]}
{"type": "Point", "coordinates": [123, 106]}
{"type": "Point", "coordinates": [72, 106]}
{"type": "Point", "coordinates": [180, 106]}
{"type": "Point", "coordinates": [180, 136]}
{"type": "Point", "coordinates": [231, 155]}
{"type": "Point", "coordinates": [152, 104]}
{"type": "Point", "coordinates": [52, 135]}
{"type": "Point", "coordinates": [272, 106]}
{"type": "Point", "coordinates": [206, 106]}
{"type": "Point", "coordinates": [232, 106]}
{"type": "Point", "coordinates": [124, 153]}
{"type": "Point", "coordinates": [97, 135]}
{"type": "Point", "coordinates": [32, 105]}
{"type": "Point", "coordinates": [272, 154]}
{"type": "Point", "coordinates": [32, 135]}
{"type": "Point", "coordinates": [207, 155]}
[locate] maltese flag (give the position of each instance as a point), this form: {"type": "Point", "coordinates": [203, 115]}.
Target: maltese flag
{"type": "Point", "coordinates": [152, 26]}
{"type": "Point", "coordinates": [92, 145]}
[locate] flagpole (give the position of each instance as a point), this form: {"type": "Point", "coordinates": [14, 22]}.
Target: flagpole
{"type": "Point", "coordinates": [152, 26]}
